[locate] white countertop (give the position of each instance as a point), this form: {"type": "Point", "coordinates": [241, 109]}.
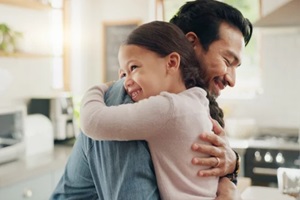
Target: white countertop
{"type": "Point", "coordinates": [238, 143]}
{"type": "Point", "coordinates": [28, 167]}
{"type": "Point", "coordinates": [264, 193]}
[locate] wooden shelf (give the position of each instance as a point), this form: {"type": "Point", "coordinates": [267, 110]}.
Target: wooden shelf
{"type": "Point", "coordinates": [24, 55]}
{"type": "Point", "coordinates": [31, 4]}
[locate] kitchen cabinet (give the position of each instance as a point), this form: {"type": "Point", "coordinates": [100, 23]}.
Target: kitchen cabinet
{"type": "Point", "coordinates": [286, 15]}
{"type": "Point", "coordinates": [33, 177]}
{"type": "Point", "coordinates": [38, 188]}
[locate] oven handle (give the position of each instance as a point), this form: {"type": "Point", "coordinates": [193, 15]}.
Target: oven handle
{"type": "Point", "coordinates": [265, 171]}
{"type": "Point", "coordinates": [297, 162]}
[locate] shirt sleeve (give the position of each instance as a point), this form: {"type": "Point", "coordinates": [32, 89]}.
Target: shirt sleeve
{"type": "Point", "coordinates": [137, 121]}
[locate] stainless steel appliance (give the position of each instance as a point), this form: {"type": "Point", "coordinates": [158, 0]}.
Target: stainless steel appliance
{"type": "Point", "coordinates": [60, 111]}
{"type": "Point", "coordinates": [267, 152]}
{"type": "Point", "coordinates": [12, 145]}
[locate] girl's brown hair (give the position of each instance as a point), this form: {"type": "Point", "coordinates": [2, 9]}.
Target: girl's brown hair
{"type": "Point", "coordinates": [164, 38]}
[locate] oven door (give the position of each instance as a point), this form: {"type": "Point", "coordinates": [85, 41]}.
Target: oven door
{"type": "Point", "coordinates": [261, 164]}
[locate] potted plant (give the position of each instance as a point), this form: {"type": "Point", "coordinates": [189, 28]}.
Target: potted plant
{"type": "Point", "coordinates": [8, 38]}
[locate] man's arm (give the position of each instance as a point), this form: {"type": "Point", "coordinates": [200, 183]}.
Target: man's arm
{"type": "Point", "coordinates": [220, 149]}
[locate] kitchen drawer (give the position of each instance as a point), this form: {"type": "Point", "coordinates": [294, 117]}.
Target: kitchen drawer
{"type": "Point", "coordinates": [39, 188]}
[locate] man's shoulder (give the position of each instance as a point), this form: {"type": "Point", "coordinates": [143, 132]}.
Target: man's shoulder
{"type": "Point", "coordinates": [117, 94]}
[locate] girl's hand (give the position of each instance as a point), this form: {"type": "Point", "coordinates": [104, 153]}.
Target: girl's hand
{"type": "Point", "coordinates": [223, 158]}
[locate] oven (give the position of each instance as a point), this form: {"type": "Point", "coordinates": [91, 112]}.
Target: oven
{"type": "Point", "coordinates": [266, 153]}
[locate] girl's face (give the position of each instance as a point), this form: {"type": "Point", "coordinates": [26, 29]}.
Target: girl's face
{"type": "Point", "coordinates": [145, 72]}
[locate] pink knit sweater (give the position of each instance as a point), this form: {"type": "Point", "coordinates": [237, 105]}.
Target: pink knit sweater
{"type": "Point", "coordinates": [170, 123]}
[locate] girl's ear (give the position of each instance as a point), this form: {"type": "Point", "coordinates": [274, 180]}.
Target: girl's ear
{"type": "Point", "coordinates": [120, 73]}
{"type": "Point", "coordinates": [173, 62]}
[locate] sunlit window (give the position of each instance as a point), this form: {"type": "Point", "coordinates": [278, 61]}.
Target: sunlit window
{"type": "Point", "coordinates": [248, 83]}
{"type": "Point", "coordinates": [57, 45]}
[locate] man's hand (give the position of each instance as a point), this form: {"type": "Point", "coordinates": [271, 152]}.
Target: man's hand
{"type": "Point", "coordinates": [227, 190]}
{"type": "Point", "coordinates": [220, 148]}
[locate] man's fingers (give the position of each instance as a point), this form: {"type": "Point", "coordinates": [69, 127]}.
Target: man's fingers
{"type": "Point", "coordinates": [217, 128]}
{"type": "Point", "coordinates": [212, 138]}
{"type": "Point", "coordinates": [207, 149]}
{"type": "Point", "coordinates": [211, 161]}
{"type": "Point", "coordinates": [210, 172]}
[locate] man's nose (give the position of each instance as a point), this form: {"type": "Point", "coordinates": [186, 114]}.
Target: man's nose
{"type": "Point", "coordinates": [230, 76]}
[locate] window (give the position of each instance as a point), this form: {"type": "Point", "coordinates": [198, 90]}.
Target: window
{"type": "Point", "coordinates": [57, 46]}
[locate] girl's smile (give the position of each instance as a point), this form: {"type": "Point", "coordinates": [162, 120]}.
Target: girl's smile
{"type": "Point", "coordinates": [146, 73]}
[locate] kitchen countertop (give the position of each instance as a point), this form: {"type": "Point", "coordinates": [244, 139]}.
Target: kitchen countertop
{"type": "Point", "coordinates": [32, 166]}
{"type": "Point", "coordinates": [239, 145]}
{"type": "Point", "coordinates": [261, 193]}
{"type": "Point", "coordinates": [28, 167]}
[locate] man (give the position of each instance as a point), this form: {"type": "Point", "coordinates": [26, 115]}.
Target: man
{"type": "Point", "coordinates": [124, 170]}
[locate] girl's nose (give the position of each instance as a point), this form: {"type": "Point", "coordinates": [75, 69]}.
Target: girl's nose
{"type": "Point", "coordinates": [128, 82]}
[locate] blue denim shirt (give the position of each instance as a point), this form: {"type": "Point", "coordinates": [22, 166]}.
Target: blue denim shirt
{"type": "Point", "coordinates": [109, 170]}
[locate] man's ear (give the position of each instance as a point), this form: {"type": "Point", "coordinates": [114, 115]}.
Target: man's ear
{"type": "Point", "coordinates": [193, 38]}
{"type": "Point", "coordinates": [173, 62]}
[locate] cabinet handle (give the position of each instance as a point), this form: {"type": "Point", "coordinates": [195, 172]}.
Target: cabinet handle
{"type": "Point", "coordinates": [264, 171]}
{"type": "Point", "coordinates": [27, 193]}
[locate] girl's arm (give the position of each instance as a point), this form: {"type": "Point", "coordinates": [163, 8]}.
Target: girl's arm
{"type": "Point", "coordinates": [137, 121]}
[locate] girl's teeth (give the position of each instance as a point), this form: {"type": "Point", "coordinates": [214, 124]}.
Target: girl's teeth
{"type": "Point", "coordinates": [134, 94]}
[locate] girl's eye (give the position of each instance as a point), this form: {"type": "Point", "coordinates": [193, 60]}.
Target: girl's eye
{"type": "Point", "coordinates": [133, 67]}
{"type": "Point", "coordinates": [122, 75]}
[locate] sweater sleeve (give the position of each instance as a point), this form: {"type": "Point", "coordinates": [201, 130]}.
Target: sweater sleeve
{"type": "Point", "coordinates": [137, 121]}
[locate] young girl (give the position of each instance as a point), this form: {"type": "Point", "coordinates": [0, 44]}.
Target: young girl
{"type": "Point", "coordinates": [163, 77]}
